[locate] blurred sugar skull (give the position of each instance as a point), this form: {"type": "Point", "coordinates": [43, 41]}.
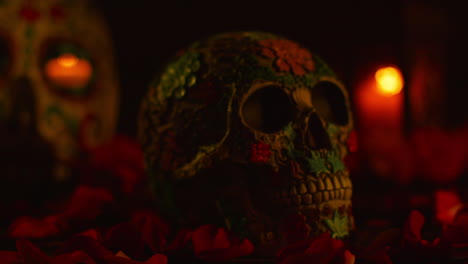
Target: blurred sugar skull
{"type": "Point", "coordinates": [57, 78]}
{"type": "Point", "coordinates": [248, 130]}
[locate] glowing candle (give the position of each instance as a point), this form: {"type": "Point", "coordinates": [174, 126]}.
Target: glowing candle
{"type": "Point", "coordinates": [69, 71]}
{"type": "Point", "coordinates": [379, 105]}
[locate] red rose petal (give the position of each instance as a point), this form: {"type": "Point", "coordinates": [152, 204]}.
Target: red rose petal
{"type": "Point", "coordinates": [123, 157]}
{"type": "Point", "coordinates": [30, 253]}
{"type": "Point", "coordinates": [157, 259]}
{"type": "Point", "coordinates": [457, 232]}
{"type": "Point", "coordinates": [77, 257]}
{"type": "Point", "coordinates": [92, 233]}
{"type": "Point", "coordinates": [180, 241]}
{"type": "Point", "coordinates": [224, 254]}
{"type": "Point", "coordinates": [413, 227]}
{"type": "Point", "coordinates": [349, 258]}
{"type": "Point", "coordinates": [153, 229]}
{"type": "Point", "coordinates": [86, 244]}
{"type": "Point", "coordinates": [87, 203]}
{"type": "Point", "coordinates": [322, 249]}
{"type": "Point", "coordinates": [10, 257]}
{"type": "Point", "coordinates": [213, 244]}
{"type": "Point", "coordinates": [28, 227]}
{"type": "Point", "coordinates": [293, 249]}
{"type": "Point", "coordinates": [119, 260]}
{"type": "Point", "coordinates": [127, 238]}
{"type": "Point", "coordinates": [324, 243]}
{"type": "Point", "coordinates": [208, 237]}
{"type": "Point", "coordinates": [447, 204]}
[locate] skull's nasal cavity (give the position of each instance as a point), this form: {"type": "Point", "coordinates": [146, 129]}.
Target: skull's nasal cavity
{"type": "Point", "coordinates": [316, 136]}
{"type": "Point", "coordinates": [23, 105]}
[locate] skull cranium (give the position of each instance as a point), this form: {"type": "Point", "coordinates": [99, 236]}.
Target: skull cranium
{"type": "Point", "coordinates": [246, 129]}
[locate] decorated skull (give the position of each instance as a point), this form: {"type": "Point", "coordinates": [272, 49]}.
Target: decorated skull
{"type": "Point", "coordinates": [58, 85]}
{"type": "Point", "coordinates": [248, 130]}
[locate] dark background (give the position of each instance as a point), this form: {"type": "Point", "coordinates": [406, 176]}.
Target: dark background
{"type": "Point", "coordinates": [352, 36]}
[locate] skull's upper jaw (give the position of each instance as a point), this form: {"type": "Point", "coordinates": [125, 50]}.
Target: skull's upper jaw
{"type": "Point", "coordinates": [315, 191]}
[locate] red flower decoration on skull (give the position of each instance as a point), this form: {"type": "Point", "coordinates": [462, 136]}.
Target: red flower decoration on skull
{"type": "Point", "coordinates": [57, 12]}
{"type": "Point", "coordinates": [260, 152]}
{"type": "Point", "coordinates": [29, 14]}
{"type": "Point", "coordinates": [288, 55]}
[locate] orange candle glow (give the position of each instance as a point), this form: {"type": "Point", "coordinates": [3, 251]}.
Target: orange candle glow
{"type": "Point", "coordinates": [69, 71]}
{"type": "Point", "coordinates": [379, 105]}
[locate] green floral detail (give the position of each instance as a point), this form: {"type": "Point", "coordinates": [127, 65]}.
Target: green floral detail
{"type": "Point", "coordinates": [70, 123]}
{"type": "Point", "coordinates": [289, 132]}
{"type": "Point", "coordinates": [291, 149]}
{"type": "Point", "coordinates": [317, 164]}
{"type": "Point", "coordinates": [180, 75]}
{"type": "Point", "coordinates": [249, 69]}
{"type": "Point", "coordinates": [338, 225]}
{"type": "Point", "coordinates": [332, 129]}
{"type": "Point", "coordinates": [336, 162]}
{"type": "Point", "coordinates": [321, 68]}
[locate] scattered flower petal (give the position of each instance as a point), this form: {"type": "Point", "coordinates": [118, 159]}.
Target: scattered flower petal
{"type": "Point", "coordinates": [211, 243]}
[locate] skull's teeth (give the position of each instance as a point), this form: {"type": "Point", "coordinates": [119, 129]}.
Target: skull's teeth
{"type": "Point", "coordinates": [329, 184]}
{"type": "Point", "coordinates": [346, 182]}
{"type": "Point", "coordinates": [326, 196]}
{"type": "Point", "coordinates": [342, 181]}
{"type": "Point", "coordinates": [312, 187]}
{"type": "Point", "coordinates": [341, 194]}
{"type": "Point", "coordinates": [321, 185]}
{"type": "Point", "coordinates": [337, 183]}
{"type": "Point", "coordinates": [302, 189]}
{"type": "Point", "coordinates": [318, 191]}
{"type": "Point", "coordinates": [293, 191]}
{"type": "Point", "coordinates": [348, 194]}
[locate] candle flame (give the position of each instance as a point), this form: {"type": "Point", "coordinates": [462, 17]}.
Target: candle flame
{"type": "Point", "coordinates": [389, 81]}
{"type": "Point", "coordinates": [67, 60]}
{"type": "Point", "coordinates": [69, 71]}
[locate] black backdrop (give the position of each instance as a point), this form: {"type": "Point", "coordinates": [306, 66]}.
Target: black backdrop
{"type": "Point", "coordinates": [349, 35]}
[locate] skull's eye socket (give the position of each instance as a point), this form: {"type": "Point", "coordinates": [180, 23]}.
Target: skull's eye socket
{"type": "Point", "coordinates": [330, 102]}
{"type": "Point", "coordinates": [5, 57]}
{"type": "Point", "coordinates": [268, 109]}
{"type": "Point", "coordinates": [69, 69]}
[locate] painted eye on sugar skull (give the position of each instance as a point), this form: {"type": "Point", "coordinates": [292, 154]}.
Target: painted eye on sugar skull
{"type": "Point", "coordinates": [68, 69]}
